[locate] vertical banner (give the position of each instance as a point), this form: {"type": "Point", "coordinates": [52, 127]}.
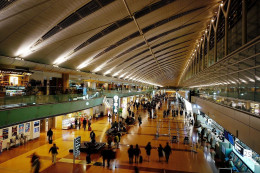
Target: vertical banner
{"type": "Point", "coordinates": [115, 104]}
{"type": "Point", "coordinates": [76, 148]}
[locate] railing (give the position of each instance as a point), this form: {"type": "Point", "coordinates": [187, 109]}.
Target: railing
{"type": "Point", "coordinates": [30, 100]}
{"type": "Point", "coordinates": [242, 105]}
{"type": "Point", "coordinates": [20, 101]}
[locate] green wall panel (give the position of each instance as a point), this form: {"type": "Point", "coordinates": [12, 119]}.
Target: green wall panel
{"type": "Point", "coordinates": [19, 115]}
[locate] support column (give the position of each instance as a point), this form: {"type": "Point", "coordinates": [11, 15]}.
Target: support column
{"type": "Point", "coordinates": [226, 35]}
{"type": "Point", "coordinates": [215, 46]}
{"type": "Point", "coordinates": [208, 60]}
{"type": "Point", "coordinates": [65, 82]}
{"type": "Point", "coordinates": [203, 56]}
{"type": "Point", "coordinates": [244, 22]}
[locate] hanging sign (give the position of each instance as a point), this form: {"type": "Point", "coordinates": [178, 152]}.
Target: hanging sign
{"type": "Point", "coordinates": [115, 104]}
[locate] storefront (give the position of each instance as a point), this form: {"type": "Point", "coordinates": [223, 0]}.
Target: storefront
{"type": "Point", "coordinates": [13, 81]}
{"type": "Point", "coordinates": [67, 121]}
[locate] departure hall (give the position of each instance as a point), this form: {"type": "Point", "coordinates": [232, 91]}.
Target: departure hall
{"type": "Point", "coordinates": [160, 86]}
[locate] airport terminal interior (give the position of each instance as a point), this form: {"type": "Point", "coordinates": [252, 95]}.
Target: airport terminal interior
{"type": "Point", "coordinates": [163, 86]}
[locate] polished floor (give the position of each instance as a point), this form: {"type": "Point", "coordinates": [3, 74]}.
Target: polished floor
{"type": "Point", "coordinates": [184, 158]}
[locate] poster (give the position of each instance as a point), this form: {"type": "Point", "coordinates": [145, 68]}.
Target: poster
{"type": "Point", "coordinates": [21, 128]}
{"type": "Point", "coordinates": [36, 129]}
{"type": "Point", "coordinates": [5, 133]}
{"type": "Point", "coordinates": [27, 127]}
{"type": "Point", "coordinates": [14, 131]}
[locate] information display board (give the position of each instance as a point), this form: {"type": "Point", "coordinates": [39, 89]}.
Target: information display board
{"type": "Point", "coordinates": [76, 148]}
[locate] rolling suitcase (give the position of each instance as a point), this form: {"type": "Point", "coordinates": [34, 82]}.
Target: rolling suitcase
{"type": "Point", "coordinates": [89, 128]}
{"type": "Point", "coordinates": [141, 159]}
{"type": "Point", "coordinates": [88, 159]}
{"type": "Point", "coordinates": [50, 141]}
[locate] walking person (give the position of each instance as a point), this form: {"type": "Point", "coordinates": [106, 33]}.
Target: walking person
{"type": "Point", "coordinates": [89, 125]}
{"type": "Point", "coordinates": [131, 154]}
{"type": "Point", "coordinates": [109, 140]}
{"type": "Point", "coordinates": [93, 136]}
{"type": "Point", "coordinates": [140, 120]}
{"type": "Point", "coordinates": [137, 153]}
{"type": "Point", "coordinates": [50, 134]}
{"type": "Point", "coordinates": [107, 155]}
{"type": "Point", "coordinates": [84, 124]}
{"type": "Point", "coordinates": [167, 150]}
{"type": "Point", "coordinates": [76, 123]}
{"type": "Point", "coordinates": [116, 141]}
{"type": "Point", "coordinates": [160, 152]}
{"type": "Point", "coordinates": [35, 163]}
{"type": "Point", "coordinates": [148, 149]}
{"type": "Point", "coordinates": [54, 152]}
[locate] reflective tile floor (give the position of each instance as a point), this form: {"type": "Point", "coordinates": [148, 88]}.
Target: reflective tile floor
{"type": "Point", "coordinates": [184, 158]}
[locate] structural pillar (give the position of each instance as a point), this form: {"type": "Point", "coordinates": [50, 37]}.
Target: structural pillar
{"type": "Point", "coordinates": [65, 81]}
{"type": "Point", "coordinates": [226, 35]}
{"type": "Point", "coordinates": [215, 46]}
{"type": "Point", "coordinates": [244, 22]}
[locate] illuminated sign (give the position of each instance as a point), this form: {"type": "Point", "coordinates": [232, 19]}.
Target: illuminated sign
{"type": "Point", "coordinates": [76, 149]}
{"type": "Point", "coordinates": [115, 104]}
{"type": "Point", "coordinates": [247, 153]}
{"type": "Point", "coordinates": [239, 149]}
{"type": "Point", "coordinates": [16, 72]}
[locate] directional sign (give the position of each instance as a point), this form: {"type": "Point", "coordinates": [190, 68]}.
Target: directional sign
{"type": "Point", "coordinates": [76, 149]}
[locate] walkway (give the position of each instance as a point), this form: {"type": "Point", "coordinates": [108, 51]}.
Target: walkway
{"type": "Point", "coordinates": [183, 158]}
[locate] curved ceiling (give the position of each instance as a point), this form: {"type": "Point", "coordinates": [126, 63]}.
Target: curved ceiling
{"type": "Point", "coordinates": [141, 40]}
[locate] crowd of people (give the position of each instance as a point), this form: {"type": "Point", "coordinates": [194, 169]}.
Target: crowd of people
{"type": "Point", "coordinates": [134, 153]}
{"type": "Point", "coordinates": [115, 134]}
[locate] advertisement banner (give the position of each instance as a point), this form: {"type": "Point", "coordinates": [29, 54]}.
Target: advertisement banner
{"type": "Point", "coordinates": [5, 133]}
{"type": "Point", "coordinates": [14, 131]}
{"type": "Point", "coordinates": [27, 127]}
{"type": "Point", "coordinates": [21, 128]}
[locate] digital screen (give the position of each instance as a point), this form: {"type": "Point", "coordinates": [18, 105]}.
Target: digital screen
{"type": "Point", "coordinates": [231, 139]}
{"type": "Point", "coordinates": [36, 123]}
{"type": "Point", "coordinates": [226, 134]}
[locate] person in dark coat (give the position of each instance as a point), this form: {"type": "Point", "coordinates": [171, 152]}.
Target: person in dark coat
{"type": "Point", "coordinates": [54, 152]}
{"type": "Point", "coordinates": [50, 134]}
{"type": "Point", "coordinates": [107, 155]}
{"type": "Point", "coordinates": [137, 153]}
{"type": "Point", "coordinates": [109, 140]}
{"type": "Point", "coordinates": [35, 163]}
{"type": "Point", "coordinates": [76, 123]}
{"type": "Point", "coordinates": [131, 153]}
{"type": "Point", "coordinates": [93, 136]}
{"type": "Point", "coordinates": [167, 150]}
{"type": "Point", "coordinates": [140, 120]}
{"type": "Point", "coordinates": [84, 124]}
{"type": "Point", "coordinates": [148, 149]}
{"type": "Point", "coordinates": [160, 152]}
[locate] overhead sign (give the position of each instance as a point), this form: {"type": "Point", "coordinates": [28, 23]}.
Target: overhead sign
{"type": "Point", "coordinates": [76, 148]}
{"type": "Point", "coordinates": [115, 104]}
{"type": "Point", "coordinates": [13, 71]}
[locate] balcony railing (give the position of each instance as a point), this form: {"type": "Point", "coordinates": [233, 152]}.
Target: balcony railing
{"type": "Point", "coordinates": [32, 97]}
{"type": "Point", "coordinates": [242, 105]}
